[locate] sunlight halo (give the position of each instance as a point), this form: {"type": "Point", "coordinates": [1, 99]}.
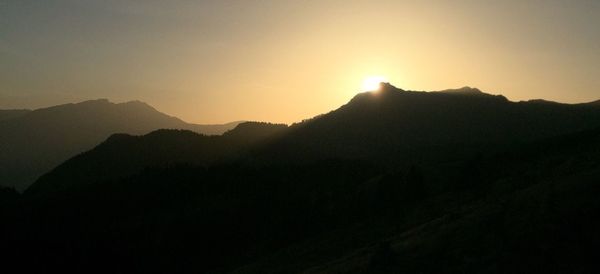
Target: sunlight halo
{"type": "Point", "coordinates": [373, 83]}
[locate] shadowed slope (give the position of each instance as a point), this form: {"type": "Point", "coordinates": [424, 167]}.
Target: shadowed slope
{"type": "Point", "coordinates": [529, 209]}
{"type": "Point", "coordinates": [532, 209]}
{"type": "Point", "coordinates": [12, 113]}
{"type": "Point", "coordinates": [124, 155]}
{"type": "Point", "coordinates": [392, 122]}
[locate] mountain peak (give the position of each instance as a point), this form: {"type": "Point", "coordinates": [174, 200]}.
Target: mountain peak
{"type": "Point", "coordinates": [101, 101]}
{"type": "Point", "coordinates": [106, 102]}
{"type": "Point", "coordinates": [387, 87]}
{"type": "Point", "coordinates": [135, 102]}
{"type": "Point", "coordinates": [254, 130]}
{"type": "Point", "coordinates": [464, 90]}
{"type": "Point", "coordinates": [140, 105]}
{"type": "Point", "coordinates": [388, 90]}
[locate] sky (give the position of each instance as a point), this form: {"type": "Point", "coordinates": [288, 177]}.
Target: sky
{"type": "Point", "coordinates": [284, 61]}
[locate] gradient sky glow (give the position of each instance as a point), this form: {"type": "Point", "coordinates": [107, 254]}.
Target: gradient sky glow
{"type": "Point", "coordinates": [283, 61]}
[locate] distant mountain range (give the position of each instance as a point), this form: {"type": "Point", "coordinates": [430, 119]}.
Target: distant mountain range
{"type": "Point", "coordinates": [33, 142]}
{"type": "Point", "coordinates": [390, 126]}
{"type": "Point", "coordinates": [394, 181]}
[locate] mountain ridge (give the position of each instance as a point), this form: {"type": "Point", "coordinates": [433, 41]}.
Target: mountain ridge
{"type": "Point", "coordinates": [35, 141]}
{"type": "Point", "coordinates": [158, 148]}
{"type": "Point", "coordinates": [395, 126]}
{"type": "Point", "coordinates": [392, 182]}
{"type": "Point", "coordinates": [393, 120]}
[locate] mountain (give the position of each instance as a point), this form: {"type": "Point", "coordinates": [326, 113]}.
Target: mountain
{"type": "Point", "coordinates": [7, 114]}
{"type": "Point", "coordinates": [393, 182]}
{"type": "Point", "coordinates": [33, 142]}
{"type": "Point", "coordinates": [123, 155]}
{"type": "Point", "coordinates": [389, 127]}
{"type": "Point", "coordinates": [214, 129]}
{"type": "Point", "coordinates": [594, 103]}
{"type": "Point", "coordinates": [529, 209]}
{"type": "Point", "coordinates": [393, 123]}
{"type": "Point", "coordinates": [466, 90]}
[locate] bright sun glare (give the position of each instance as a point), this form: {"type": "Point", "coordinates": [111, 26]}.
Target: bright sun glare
{"type": "Point", "coordinates": [371, 83]}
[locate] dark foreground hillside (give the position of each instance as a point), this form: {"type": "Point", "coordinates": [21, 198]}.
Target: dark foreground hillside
{"type": "Point", "coordinates": [231, 204]}
{"type": "Point", "coordinates": [532, 209]}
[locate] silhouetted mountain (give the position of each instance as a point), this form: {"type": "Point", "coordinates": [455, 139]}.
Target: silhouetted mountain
{"type": "Point", "coordinates": [392, 182]}
{"type": "Point", "coordinates": [391, 126]}
{"type": "Point", "coordinates": [214, 129]}
{"type": "Point", "coordinates": [464, 90]}
{"type": "Point", "coordinates": [124, 155]}
{"type": "Point", "coordinates": [8, 194]}
{"type": "Point", "coordinates": [7, 114]}
{"type": "Point", "coordinates": [594, 103]}
{"type": "Point", "coordinates": [529, 209]}
{"type": "Point", "coordinates": [33, 142]}
{"type": "Point", "coordinates": [251, 132]}
{"type": "Point", "coordinates": [392, 123]}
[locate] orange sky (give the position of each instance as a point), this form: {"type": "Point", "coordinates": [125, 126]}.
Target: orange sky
{"type": "Point", "coordinates": [283, 61]}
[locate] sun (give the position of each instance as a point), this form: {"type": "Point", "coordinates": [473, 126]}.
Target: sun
{"type": "Point", "coordinates": [373, 83]}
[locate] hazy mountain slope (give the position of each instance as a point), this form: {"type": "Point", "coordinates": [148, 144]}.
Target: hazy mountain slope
{"type": "Point", "coordinates": [124, 155]}
{"type": "Point", "coordinates": [7, 114]}
{"type": "Point", "coordinates": [393, 122]}
{"type": "Point", "coordinates": [214, 129]}
{"type": "Point", "coordinates": [35, 142]}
